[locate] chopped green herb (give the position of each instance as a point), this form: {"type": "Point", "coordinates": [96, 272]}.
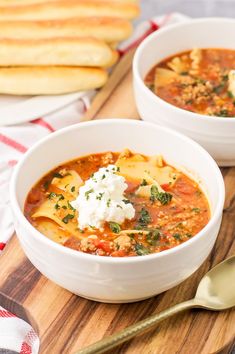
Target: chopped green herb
{"type": "Point", "coordinates": [67, 218]}
{"type": "Point", "coordinates": [141, 250]}
{"type": "Point", "coordinates": [189, 235]}
{"type": "Point", "coordinates": [52, 195]}
{"type": "Point", "coordinates": [163, 197]}
{"type": "Point", "coordinates": [70, 206]}
{"type": "Point", "coordinates": [144, 183]}
{"type": "Point", "coordinates": [64, 206]}
{"type": "Point", "coordinates": [99, 197]}
{"type": "Point", "coordinates": [73, 189]}
{"type": "Point", "coordinates": [103, 177]}
{"type": "Point", "coordinates": [118, 169]}
{"type": "Point", "coordinates": [219, 88]}
{"type": "Point", "coordinates": [81, 231]}
{"type": "Point", "coordinates": [60, 196]}
{"type": "Point", "coordinates": [57, 175]}
{"type": "Point", "coordinates": [222, 113]}
{"type": "Point", "coordinates": [126, 201]}
{"type": "Point", "coordinates": [88, 192]}
{"type": "Point", "coordinates": [119, 206]}
{"type": "Point", "coordinates": [115, 227]}
{"type": "Point", "coordinates": [46, 185]}
{"type": "Point", "coordinates": [189, 102]}
{"type": "Point", "coordinates": [177, 236]}
{"type": "Point", "coordinates": [225, 77]}
{"type": "Point", "coordinates": [108, 202]}
{"type": "Point", "coordinates": [196, 210]}
{"type": "Point", "coordinates": [57, 206]}
{"type": "Point", "coordinates": [144, 218]}
{"type": "Point", "coordinates": [229, 93]}
{"type": "Point", "coordinates": [153, 236]}
{"type": "Point", "coordinates": [198, 193]}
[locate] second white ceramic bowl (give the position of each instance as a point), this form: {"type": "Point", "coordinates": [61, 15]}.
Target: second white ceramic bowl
{"type": "Point", "coordinates": [215, 134]}
{"type": "Point", "coordinates": [111, 279]}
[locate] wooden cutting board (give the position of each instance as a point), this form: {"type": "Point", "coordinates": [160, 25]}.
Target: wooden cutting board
{"type": "Point", "coordinates": [66, 322]}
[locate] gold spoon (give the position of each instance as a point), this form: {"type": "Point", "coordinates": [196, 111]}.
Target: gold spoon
{"type": "Point", "coordinates": [216, 291]}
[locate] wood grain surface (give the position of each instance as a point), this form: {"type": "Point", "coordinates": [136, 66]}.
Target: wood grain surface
{"type": "Point", "coordinates": [66, 322]}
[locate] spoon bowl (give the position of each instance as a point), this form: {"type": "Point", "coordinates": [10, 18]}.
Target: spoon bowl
{"type": "Point", "coordinates": [216, 290]}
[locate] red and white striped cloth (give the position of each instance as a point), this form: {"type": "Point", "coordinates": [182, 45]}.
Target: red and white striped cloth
{"type": "Point", "coordinates": [15, 334]}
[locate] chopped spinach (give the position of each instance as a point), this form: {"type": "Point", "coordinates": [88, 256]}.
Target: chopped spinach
{"type": "Point", "coordinates": [144, 218]}
{"type": "Point", "coordinates": [115, 227]}
{"type": "Point", "coordinates": [163, 197]}
{"type": "Point", "coordinates": [141, 250]}
{"type": "Point", "coordinates": [153, 236]}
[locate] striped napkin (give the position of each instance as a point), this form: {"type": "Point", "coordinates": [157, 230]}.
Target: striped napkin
{"type": "Point", "coordinates": [15, 334]}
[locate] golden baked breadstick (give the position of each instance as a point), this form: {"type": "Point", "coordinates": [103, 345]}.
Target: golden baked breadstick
{"type": "Point", "coordinates": [104, 28]}
{"type": "Point", "coordinates": [27, 2]}
{"type": "Point", "coordinates": [49, 80]}
{"type": "Point", "coordinates": [70, 8]}
{"type": "Point", "coordinates": [56, 51]}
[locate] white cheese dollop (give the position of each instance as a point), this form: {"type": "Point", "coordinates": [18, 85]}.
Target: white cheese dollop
{"type": "Point", "coordinates": [102, 199]}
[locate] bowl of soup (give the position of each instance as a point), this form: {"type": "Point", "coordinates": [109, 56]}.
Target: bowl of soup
{"type": "Point", "coordinates": [184, 78]}
{"type": "Point", "coordinates": [112, 211]}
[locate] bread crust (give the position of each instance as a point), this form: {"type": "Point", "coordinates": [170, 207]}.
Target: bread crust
{"type": "Point", "coordinates": [108, 29]}
{"type": "Point", "coordinates": [50, 80]}
{"type": "Point", "coordinates": [70, 8]}
{"type": "Point", "coordinates": [56, 52]}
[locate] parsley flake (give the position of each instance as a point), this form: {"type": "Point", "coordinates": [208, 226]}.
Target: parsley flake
{"type": "Point", "coordinates": [67, 218]}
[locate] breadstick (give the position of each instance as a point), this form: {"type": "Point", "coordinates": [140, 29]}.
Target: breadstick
{"type": "Point", "coordinates": [104, 28]}
{"type": "Point", "coordinates": [70, 8]}
{"type": "Point", "coordinates": [49, 80]}
{"type": "Point", "coordinates": [27, 2]}
{"type": "Point", "coordinates": [56, 51]}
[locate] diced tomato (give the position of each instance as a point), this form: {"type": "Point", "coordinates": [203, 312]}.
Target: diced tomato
{"type": "Point", "coordinates": [120, 253]}
{"type": "Point", "coordinates": [105, 246]}
{"type": "Point", "coordinates": [166, 186]}
{"type": "Point", "coordinates": [186, 188]}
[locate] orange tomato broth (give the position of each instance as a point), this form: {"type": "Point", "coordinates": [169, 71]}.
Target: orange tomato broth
{"type": "Point", "coordinates": [166, 226]}
{"type": "Point", "coordinates": [204, 90]}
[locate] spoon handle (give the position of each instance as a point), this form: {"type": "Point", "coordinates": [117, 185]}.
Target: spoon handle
{"type": "Point", "coordinates": [112, 341]}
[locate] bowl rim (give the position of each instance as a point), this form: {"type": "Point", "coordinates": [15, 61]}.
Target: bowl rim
{"type": "Point", "coordinates": [169, 29]}
{"type": "Point", "coordinates": [106, 259]}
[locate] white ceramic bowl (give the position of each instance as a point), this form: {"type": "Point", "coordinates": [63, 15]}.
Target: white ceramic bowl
{"type": "Point", "coordinates": [215, 134]}
{"type": "Point", "coordinates": [110, 279]}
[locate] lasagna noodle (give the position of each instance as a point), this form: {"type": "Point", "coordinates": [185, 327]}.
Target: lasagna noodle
{"type": "Point", "coordinates": [104, 28]}
{"type": "Point", "coordinates": [49, 80]}
{"type": "Point", "coordinates": [69, 8]}
{"type": "Point", "coordinates": [135, 168]}
{"type": "Point", "coordinates": [56, 51]}
{"type": "Point", "coordinates": [47, 210]}
{"type": "Point", "coordinates": [70, 183]}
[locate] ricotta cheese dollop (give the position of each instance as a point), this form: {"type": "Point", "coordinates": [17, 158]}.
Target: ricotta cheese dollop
{"type": "Point", "coordinates": [102, 199]}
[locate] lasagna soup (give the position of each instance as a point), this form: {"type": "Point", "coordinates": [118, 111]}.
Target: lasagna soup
{"type": "Point", "coordinates": [200, 80]}
{"type": "Point", "coordinates": [118, 205]}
